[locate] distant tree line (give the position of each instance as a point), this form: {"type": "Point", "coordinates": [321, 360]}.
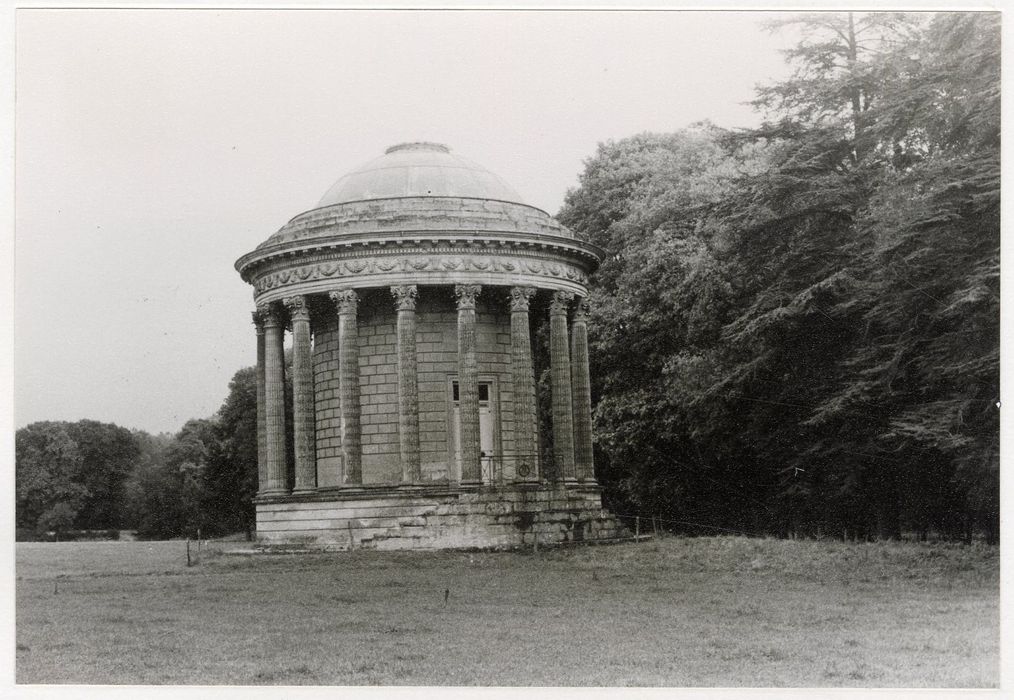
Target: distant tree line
{"type": "Point", "coordinates": [94, 476]}
{"type": "Point", "coordinates": [797, 326]}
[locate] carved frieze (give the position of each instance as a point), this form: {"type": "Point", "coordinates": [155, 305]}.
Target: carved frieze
{"type": "Point", "coordinates": [359, 267]}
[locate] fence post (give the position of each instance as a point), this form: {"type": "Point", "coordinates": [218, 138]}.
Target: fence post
{"type": "Point", "coordinates": [188, 551]}
{"type": "Point", "coordinates": [637, 528]}
{"type": "Point", "coordinates": [351, 543]}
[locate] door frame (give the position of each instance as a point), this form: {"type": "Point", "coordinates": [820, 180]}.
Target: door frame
{"type": "Point", "coordinates": [453, 463]}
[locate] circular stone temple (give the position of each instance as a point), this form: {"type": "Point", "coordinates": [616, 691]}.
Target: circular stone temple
{"type": "Point", "coordinates": [411, 292]}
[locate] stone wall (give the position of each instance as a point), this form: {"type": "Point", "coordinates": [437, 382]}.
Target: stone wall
{"type": "Point", "coordinates": [327, 406]}
{"type": "Point", "coordinates": [435, 519]}
{"type": "Point", "coordinates": [437, 351]}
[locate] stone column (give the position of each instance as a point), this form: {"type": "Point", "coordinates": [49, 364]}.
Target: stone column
{"type": "Point", "coordinates": [348, 376]}
{"type": "Point", "coordinates": [468, 384]}
{"type": "Point", "coordinates": [262, 439]}
{"type": "Point", "coordinates": [303, 424]}
{"type": "Point", "coordinates": [581, 379]}
{"type": "Point", "coordinates": [274, 402]}
{"type": "Point", "coordinates": [408, 386]}
{"type": "Point", "coordinates": [523, 383]}
{"type": "Point", "coordinates": [559, 358]}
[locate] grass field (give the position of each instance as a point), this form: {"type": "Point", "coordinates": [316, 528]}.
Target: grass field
{"type": "Point", "coordinates": [722, 611]}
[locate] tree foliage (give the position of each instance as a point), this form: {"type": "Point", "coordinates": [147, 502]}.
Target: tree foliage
{"type": "Point", "coordinates": [79, 466]}
{"type": "Point", "coordinates": [47, 462]}
{"type": "Point", "coordinates": [813, 303]}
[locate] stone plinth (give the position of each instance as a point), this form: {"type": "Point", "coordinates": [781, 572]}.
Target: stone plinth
{"type": "Point", "coordinates": [384, 517]}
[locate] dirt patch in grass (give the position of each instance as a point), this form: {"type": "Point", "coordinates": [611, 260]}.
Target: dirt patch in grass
{"type": "Point", "coordinates": [720, 611]}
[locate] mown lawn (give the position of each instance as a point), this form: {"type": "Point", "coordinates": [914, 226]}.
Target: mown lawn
{"type": "Point", "coordinates": [723, 611]}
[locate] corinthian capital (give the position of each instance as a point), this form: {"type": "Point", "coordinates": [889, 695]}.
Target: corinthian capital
{"type": "Point", "coordinates": [466, 294]}
{"type": "Point", "coordinates": [298, 310]}
{"type": "Point", "coordinates": [405, 296]}
{"type": "Point", "coordinates": [560, 302]}
{"type": "Point", "coordinates": [582, 310]}
{"type": "Point", "coordinates": [258, 320]}
{"type": "Point", "coordinates": [346, 299]}
{"type": "Point", "coordinates": [269, 316]}
{"type": "Point", "coordinates": [521, 298]}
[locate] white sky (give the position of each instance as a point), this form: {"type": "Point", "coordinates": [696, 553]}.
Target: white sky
{"type": "Point", "coordinates": [156, 147]}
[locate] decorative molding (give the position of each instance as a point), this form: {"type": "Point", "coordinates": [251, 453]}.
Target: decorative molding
{"type": "Point", "coordinates": [359, 267]}
{"type": "Point", "coordinates": [258, 319]}
{"type": "Point", "coordinates": [405, 296]}
{"type": "Point", "coordinates": [270, 314]}
{"type": "Point", "coordinates": [346, 300]}
{"type": "Point", "coordinates": [581, 310]}
{"type": "Point", "coordinates": [521, 298]}
{"type": "Point", "coordinates": [298, 309]}
{"type": "Point", "coordinates": [466, 295]}
{"type": "Point", "coordinates": [560, 302]}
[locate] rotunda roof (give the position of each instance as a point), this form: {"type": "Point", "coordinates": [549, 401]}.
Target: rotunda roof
{"type": "Point", "coordinates": [419, 169]}
{"type": "Point", "coordinates": [419, 214]}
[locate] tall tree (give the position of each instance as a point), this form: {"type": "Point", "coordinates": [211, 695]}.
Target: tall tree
{"type": "Point", "coordinates": [810, 309]}
{"type": "Point", "coordinates": [660, 297]}
{"type": "Point", "coordinates": [230, 479]}
{"type": "Point", "coordinates": [108, 455]}
{"type": "Point", "coordinates": [931, 269]}
{"type": "Point", "coordinates": [47, 461]}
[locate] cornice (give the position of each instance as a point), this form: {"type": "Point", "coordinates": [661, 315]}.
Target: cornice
{"type": "Point", "coordinates": [416, 243]}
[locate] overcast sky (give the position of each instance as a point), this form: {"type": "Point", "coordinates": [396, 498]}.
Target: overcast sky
{"type": "Point", "coordinates": [156, 147]}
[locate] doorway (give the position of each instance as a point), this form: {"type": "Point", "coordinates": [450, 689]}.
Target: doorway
{"type": "Point", "coordinates": [488, 438]}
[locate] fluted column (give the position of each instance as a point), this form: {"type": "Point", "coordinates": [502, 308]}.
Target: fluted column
{"type": "Point", "coordinates": [559, 358]}
{"type": "Point", "coordinates": [581, 380]}
{"type": "Point", "coordinates": [523, 383]}
{"type": "Point", "coordinates": [262, 449]}
{"type": "Point", "coordinates": [303, 425]}
{"type": "Point", "coordinates": [408, 386]}
{"type": "Point", "coordinates": [274, 402]}
{"type": "Point", "coordinates": [468, 384]}
{"type": "Point", "coordinates": [348, 373]}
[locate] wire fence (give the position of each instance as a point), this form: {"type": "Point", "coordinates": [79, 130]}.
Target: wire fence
{"type": "Point", "coordinates": [655, 520]}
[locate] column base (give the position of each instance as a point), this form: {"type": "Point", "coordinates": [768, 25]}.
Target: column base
{"type": "Point", "coordinates": [411, 486]}
{"type": "Point", "coordinates": [304, 491]}
{"type": "Point", "coordinates": [278, 491]}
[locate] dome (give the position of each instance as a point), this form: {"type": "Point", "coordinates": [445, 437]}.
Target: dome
{"type": "Point", "coordinates": [419, 169]}
{"type": "Point", "coordinates": [419, 215]}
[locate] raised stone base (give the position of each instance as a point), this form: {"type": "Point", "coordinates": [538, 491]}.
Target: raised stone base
{"type": "Point", "coordinates": [436, 517]}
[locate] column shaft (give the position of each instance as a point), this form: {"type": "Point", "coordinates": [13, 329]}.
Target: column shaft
{"type": "Point", "coordinates": [559, 358]}
{"type": "Point", "coordinates": [581, 378]}
{"type": "Point", "coordinates": [348, 372]}
{"type": "Point", "coordinates": [303, 424]}
{"type": "Point", "coordinates": [468, 384]}
{"type": "Point", "coordinates": [262, 448]}
{"type": "Point", "coordinates": [408, 384]}
{"type": "Point", "coordinates": [526, 462]}
{"type": "Point", "coordinates": [274, 403]}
